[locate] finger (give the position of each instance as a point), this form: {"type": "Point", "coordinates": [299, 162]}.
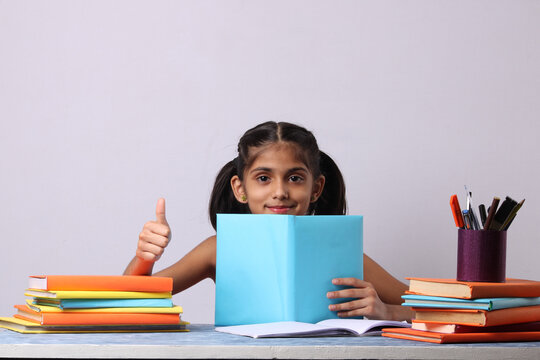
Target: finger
{"type": "Point", "coordinates": [153, 227]}
{"type": "Point", "coordinates": [160, 211]}
{"type": "Point", "coordinates": [146, 256]}
{"type": "Point", "coordinates": [351, 305]}
{"type": "Point", "coordinates": [351, 281]}
{"type": "Point", "coordinates": [148, 249]}
{"type": "Point", "coordinates": [356, 312]}
{"type": "Point", "coordinates": [347, 293]}
{"type": "Point", "coordinates": [154, 239]}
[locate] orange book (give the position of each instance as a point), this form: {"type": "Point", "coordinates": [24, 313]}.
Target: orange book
{"type": "Point", "coordinates": [473, 290]}
{"type": "Point", "coordinates": [81, 318]}
{"type": "Point", "coordinates": [455, 328]}
{"type": "Point", "coordinates": [100, 282]}
{"type": "Point", "coordinates": [439, 338]}
{"type": "Point", "coordinates": [479, 317]}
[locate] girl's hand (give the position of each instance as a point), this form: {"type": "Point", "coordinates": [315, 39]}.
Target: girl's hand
{"type": "Point", "coordinates": [367, 302]}
{"type": "Point", "coordinates": [155, 236]}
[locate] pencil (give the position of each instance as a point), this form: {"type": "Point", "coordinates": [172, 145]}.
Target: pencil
{"type": "Point", "coordinates": [492, 211]}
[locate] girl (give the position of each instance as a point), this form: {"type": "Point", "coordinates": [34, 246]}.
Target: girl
{"type": "Point", "coordinates": [279, 170]}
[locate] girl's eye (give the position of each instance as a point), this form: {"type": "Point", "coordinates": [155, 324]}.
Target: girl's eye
{"type": "Point", "coordinates": [263, 178]}
{"type": "Point", "coordinates": [295, 178]}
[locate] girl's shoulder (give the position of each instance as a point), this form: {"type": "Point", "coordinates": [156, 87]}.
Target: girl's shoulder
{"type": "Point", "coordinates": [208, 245]}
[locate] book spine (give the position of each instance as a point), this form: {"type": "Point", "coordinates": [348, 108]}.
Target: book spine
{"type": "Point", "coordinates": [513, 315]}
{"type": "Point", "coordinates": [503, 303]}
{"type": "Point", "coordinates": [290, 247]}
{"type": "Point", "coordinates": [83, 294]}
{"type": "Point", "coordinates": [107, 319]}
{"type": "Point", "coordinates": [107, 282]}
{"type": "Point", "coordinates": [103, 303]}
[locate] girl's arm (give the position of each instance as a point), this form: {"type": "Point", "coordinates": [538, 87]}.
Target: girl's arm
{"type": "Point", "coordinates": [153, 239]}
{"type": "Point", "coordinates": [198, 264]}
{"type": "Point", "coordinates": [388, 287]}
{"type": "Point", "coordinates": [377, 297]}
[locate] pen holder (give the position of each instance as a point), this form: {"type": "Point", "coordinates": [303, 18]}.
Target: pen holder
{"type": "Point", "coordinates": [481, 255]}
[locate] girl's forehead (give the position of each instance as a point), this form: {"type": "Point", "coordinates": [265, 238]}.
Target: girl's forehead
{"type": "Point", "coordinates": [282, 151]}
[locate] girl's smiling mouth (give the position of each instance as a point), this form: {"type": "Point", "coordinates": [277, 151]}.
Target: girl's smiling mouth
{"type": "Point", "coordinates": [279, 209]}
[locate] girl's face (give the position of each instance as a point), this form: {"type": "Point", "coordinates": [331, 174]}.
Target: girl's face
{"type": "Point", "coordinates": [277, 182]}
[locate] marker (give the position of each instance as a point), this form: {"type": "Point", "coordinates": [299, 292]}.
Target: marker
{"type": "Point", "coordinates": [483, 214]}
{"type": "Point", "coordinates": [456, 211]}
{"type": "Point", "coordinates": [491, 213]}
{"type": "Point", "coordinates": [502, 214]}
{"type": "Point", "coordinates": [512, 215]}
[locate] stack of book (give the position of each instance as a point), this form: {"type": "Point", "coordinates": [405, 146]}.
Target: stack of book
{"type": "Point", "coordinates": [451, 311]}
{"type": "Point", "coordinates": [96, 303]}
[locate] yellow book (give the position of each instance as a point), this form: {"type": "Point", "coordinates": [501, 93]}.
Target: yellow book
{"type": "Point", "coordinates": [76, 294]}
{"type": "Point", "coordinates": [29, 327]}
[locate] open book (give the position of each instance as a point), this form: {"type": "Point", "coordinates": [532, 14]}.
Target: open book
{"type": "Point", "coordinates": [330, 327]}
{"type": "Point", "coordinates": [280, 276]}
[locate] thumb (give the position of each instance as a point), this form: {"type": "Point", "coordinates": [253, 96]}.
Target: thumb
{"type": "Point", "coordinates": [160, 212]}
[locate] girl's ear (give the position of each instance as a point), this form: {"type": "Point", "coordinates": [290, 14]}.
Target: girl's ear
{"type": "Point", "coordinates": [238, 189]}
{"type": "Point", "coordinates": [318, 186]}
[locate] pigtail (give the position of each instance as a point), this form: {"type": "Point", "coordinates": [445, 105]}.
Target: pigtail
{"type": "Point", "coordinates": [222, 199]}
{"type": "Point", "coordinates": [332, 200]}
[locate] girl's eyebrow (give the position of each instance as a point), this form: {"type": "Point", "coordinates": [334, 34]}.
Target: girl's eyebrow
{"type": "Point", "coordinates": [267, 169]}
{"type": "Point", "coordinates": [260, 168]}
{"type": "Point", "coordinates": [299, 168]}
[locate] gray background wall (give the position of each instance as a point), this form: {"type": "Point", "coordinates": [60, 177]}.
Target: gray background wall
{"type": "Point", "coordinates": [107, 105]}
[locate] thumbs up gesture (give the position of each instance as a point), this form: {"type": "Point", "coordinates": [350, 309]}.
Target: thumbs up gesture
{"type": "Point", "coordinates": [155, 236]}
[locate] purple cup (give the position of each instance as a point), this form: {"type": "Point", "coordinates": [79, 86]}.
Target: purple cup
{"type": "Point", "coordinates": [481, 255]}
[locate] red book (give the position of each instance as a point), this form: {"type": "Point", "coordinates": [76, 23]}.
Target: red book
{"type": "Point", "coordinates": [439, 338]}
{"type": "Point", "coordinates": [101, 282]}
{"type": "Point", "coordinates": [82, 318]}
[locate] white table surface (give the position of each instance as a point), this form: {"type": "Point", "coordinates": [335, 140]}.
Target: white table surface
{"type": "Point", "coordinates": [203, 342]}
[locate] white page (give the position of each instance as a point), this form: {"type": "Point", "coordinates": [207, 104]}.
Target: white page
{"type": "Point", "coordinates": [361, 326]}
{"type": "Point", "coordinates": [293, 328]}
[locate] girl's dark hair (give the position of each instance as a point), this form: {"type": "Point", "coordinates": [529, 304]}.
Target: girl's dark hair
{"type": "Point", "coordinates": [332, 200]}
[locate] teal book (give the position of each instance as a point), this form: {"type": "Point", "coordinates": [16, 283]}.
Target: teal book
{"type": "Point", "coordinates": [487, 304]}
{"type": "Point", "coordinates": [279, 267]}
{"type": "Point", "coordinates": [103, 303]}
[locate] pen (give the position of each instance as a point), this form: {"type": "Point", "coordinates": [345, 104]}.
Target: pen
{"type": "Point", "coordinates": [491, 213]}
{"type": "Point", "coordinates": [475, 225]}
{"type": "Point", "coordinates": [483, 214]}
{"type": "Point", "coordinates": [456, 211]}
{"type": "Point", "coordinates": [469, 194]}
{"type": "Point", "coordinates": [467, 220]}
{"type": "Point", "coordinates": [474, 220]}
{"type": "Point", "coordinates": [512, 215]}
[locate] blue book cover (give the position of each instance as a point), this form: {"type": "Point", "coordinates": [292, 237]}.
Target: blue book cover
{"type": "Point", "coordinates": [104, 303]}
{"type": "Point", "coordinates": [481, 303]}
{"type": "Point", "coordinates": [280, 267]}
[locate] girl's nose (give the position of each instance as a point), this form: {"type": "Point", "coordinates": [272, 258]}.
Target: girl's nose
{"type": "Point", "coordinates": [280, 190]}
